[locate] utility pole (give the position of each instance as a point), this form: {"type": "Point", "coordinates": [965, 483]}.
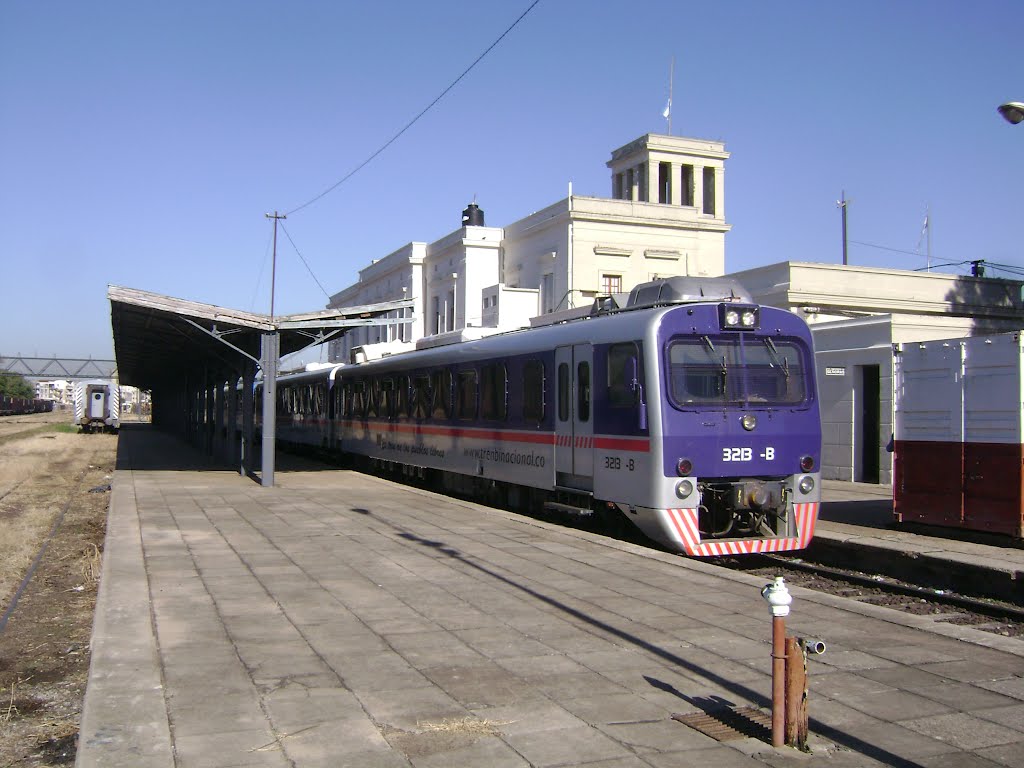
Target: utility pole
{"type": "Point", "coordinates": [270, 352]}
{"type": "Point", "coordinates": [842, 203]}
{"type": "Point", "coordinates": [273, 264]}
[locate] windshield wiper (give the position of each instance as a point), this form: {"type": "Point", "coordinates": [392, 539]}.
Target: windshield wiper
{"type": "Point", "coordinates": [783, 363]}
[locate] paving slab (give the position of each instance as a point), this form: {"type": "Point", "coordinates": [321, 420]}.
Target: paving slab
{"type": "Point", "coordinates": [341, 620]}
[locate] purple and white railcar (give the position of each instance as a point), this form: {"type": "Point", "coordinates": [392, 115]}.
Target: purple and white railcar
{"type": "Point", "coordinates": [690, 410]}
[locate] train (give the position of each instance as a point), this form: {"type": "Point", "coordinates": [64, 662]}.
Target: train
{"type": "Point", "coordinates": [15, 406]}
{"type": "Point", "coordinates": [686, 409]}
{"type": "Point", "coordinates": [97, 405]}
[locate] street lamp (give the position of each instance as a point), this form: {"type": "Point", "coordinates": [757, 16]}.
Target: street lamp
{"type": "Point", "coordinates": [1012, 111]}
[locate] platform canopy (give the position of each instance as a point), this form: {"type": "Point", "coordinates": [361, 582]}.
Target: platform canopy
{"type": "Point", "coordinates": [157, 336]}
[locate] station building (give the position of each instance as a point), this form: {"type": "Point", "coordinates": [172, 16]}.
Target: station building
{"type": "Point", "coordinates": [666, 216]}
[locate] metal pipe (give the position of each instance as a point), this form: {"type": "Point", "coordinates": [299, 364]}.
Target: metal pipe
{"type": "Point", "coordinates": [779, 600]}
{"type": "Point", "coordinates": [778, 681]}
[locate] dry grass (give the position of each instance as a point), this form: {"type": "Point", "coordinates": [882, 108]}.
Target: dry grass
{"type": "Point", "coordinates": [470, 725]}
{"type": "Point", "coordinates": [38, 474]}
{"type": "Point", "coordinates": [91, 564]}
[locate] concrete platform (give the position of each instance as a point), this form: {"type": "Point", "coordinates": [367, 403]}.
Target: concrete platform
{"type": "Point", "coordinates": [340, 620]}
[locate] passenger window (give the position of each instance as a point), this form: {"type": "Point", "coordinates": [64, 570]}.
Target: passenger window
{"type": "Point", "coordinates": [441, 394]}
{"type": "Point", "coordinates": [583, 390]}
{"type": "Point", "coordinates": [387, 398]}
{"type": "Point", "coordinates": [563, 392]}
{"type": "Point", "coordinates": [533, 391]}
{"type": "Point", "coordinates": [402, 404]}
{"type": "Point", "coordinates": [623, 365]}
{"type": "Point", "coordinates": [494, 392]}
{"type": "Point", "coordinates": [465, 404]}
{"type": "Point", "coordinates": [420, 397]}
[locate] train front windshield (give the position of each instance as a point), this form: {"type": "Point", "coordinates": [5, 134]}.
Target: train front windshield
{"type": "Point", "coordinates": [740, 369]}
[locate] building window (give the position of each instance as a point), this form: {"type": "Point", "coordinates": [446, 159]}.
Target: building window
{"type": "Point", "coordinates": [617, 192]}
{"type": "Point", "coordinates": [686, 185]}
{"type": "Point", "coordinates": [628, 192]}
{"type": "Point", "coordinates": [664, 182]}
{"type": "Point", "coordinates": [611, 284]}
{"type": "Point", "coordinates": [641, 182]}
{"type": "Point", "coordinates": [437, 315]}
{"type": "Point", "coordinates": [709, 191]}
{"type": "Point", "coordinates": [547, 292]}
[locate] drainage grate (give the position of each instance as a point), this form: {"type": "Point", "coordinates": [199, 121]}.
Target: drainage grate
{"type": "Point", "coordinates": [730, 723]}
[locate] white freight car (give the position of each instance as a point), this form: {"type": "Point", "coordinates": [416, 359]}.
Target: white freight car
{"type": "Point", "coordinates": [959, 439]}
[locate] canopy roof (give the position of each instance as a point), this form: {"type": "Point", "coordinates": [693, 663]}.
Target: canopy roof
{"type": "Point", "coordinates": [158, 337]}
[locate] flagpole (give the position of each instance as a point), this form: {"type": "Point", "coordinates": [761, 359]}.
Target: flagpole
{"type": "Point", "coordinates": [671, 72]}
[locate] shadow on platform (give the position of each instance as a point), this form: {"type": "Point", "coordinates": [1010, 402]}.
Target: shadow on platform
{"type": "Point", "coordinates": [142, 447]}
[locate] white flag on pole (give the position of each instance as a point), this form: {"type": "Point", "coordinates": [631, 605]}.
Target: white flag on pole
{"type": "Point", "coordinates": [668, 109]}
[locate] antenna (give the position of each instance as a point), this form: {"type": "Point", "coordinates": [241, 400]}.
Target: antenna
{"type": "Point", "coordinates": [842, 203]}
{"type": "Point", "coordinates": [273, 263]}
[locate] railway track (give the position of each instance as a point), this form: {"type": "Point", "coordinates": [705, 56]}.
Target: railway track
{"type": "Point", "coordinates": [988, 615]}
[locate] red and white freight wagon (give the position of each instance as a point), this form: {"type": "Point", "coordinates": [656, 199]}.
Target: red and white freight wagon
{"type": "Point", "coordinates": [959, 438]}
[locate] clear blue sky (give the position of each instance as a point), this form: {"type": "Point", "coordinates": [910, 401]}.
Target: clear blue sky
{"type": "Point", "coordinates": [141, 144]}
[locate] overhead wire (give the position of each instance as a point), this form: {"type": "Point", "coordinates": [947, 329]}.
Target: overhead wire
{"type": "Point", "coordinates": [412, 122]}
{"type": "Point", "coordinates": [303, 258]}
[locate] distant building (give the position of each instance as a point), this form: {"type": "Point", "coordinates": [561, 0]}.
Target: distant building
{"type": "Point", "coordinates": [666, 216]}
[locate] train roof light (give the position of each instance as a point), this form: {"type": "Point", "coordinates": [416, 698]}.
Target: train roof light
{"type": "Point", "coordinates": [736, 317]}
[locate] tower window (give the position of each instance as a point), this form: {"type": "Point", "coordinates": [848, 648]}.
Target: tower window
{"type": "Point", "coordinates": [664, 182]}
{"type": "Point", "coordinates": [686, 186]}
{"type": "Point", "coordinates": [709, 191]}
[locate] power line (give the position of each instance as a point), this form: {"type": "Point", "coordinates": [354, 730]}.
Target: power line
{"type": "Point", "coordinates": [885, 248]}
{"type": "Point", "coordinates": [412, 122]}
{"type": "Point", "coordinates": [308, 269]}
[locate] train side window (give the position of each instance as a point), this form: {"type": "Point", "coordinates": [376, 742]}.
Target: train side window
{"type": "Point", "coordinates": [420, 397]}
{"type": "Point", "coordinates": [402, 397]}
{"type": "Point", "coordinates": [441, 394]}
{"type": "Point", "coordinates": [623, 365]}
{"type": "Point", "coordinates": [533, 391]}
{"type": "Point", "coordinates": [583, 390]}
{"type": "Point", "coordinates": [318, 399]}
{"type": "Point", "coordinates": [387, 398]}
{"type": "Point", "coordinates": [563, 391]}
{"type": "Point", "coordinates": [465, 396]}
{"type": "Point", "coordinates": [494, 392]}
{"type": "Point", "coordinates": [359, 399]}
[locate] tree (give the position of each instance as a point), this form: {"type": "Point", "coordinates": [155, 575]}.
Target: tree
{"type": "Point", "coordinates": [14, 385]}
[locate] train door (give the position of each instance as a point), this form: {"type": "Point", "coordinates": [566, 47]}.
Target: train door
{"type": "Point", "coordinates": [574, 425]}
{"type": "Point", "coordinates": [97, 408]}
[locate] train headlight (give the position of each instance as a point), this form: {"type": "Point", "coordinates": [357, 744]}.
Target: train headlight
{"type": "Point", "coordinates": [684, 467]}
{"type": "Point", "coordinates": [749, 421]}
{"type": "Point", "coordinates": [733, 318]}
{"type": "Point", "coordinates": [806, 463]}
{"type": "Point", "coordinates": [806, 484]}
{"type": "Point", "coordinates": [684, 488]}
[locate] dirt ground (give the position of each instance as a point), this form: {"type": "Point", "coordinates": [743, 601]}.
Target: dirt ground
{"type": "Point", "coordinates": [54, 492]}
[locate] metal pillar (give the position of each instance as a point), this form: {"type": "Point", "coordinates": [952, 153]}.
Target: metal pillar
{"type": "Point", "coordinates": [231, 392]}
{"type": "Point", "coordinates": [248, 382]}
{"type": "Point", "coordinates": [219, 432]}
{"type": "Point", "coordinates": [268, 362]}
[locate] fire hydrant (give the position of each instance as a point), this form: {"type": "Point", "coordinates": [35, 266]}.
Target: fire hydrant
{"type": "Point", "coordinates": [779, 600]}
